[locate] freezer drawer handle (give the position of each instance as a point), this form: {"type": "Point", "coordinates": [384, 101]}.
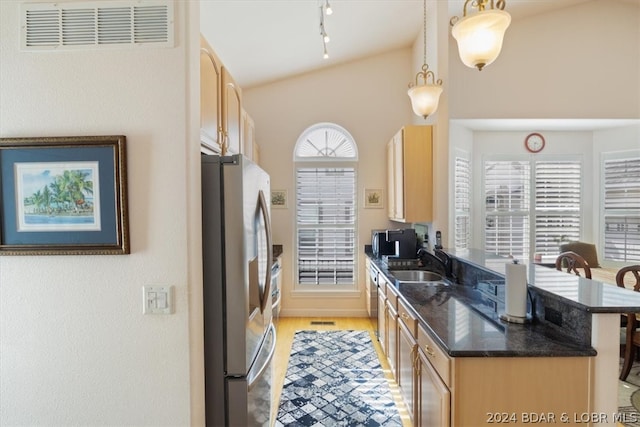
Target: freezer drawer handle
{"type": "Point", "coordinates": [267, 363]}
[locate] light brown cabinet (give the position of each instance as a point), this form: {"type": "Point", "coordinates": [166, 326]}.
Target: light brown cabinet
{"type": "Point", "coordinates": [410, 175]}
{"type": "Point", "coordinates": [392, 329]}
{"type": "Point", "coordinates": [210, 98]}
{"type": "Point", "coordinates": [249, 145]}
{"type": "Point", "coordinates": [220, 105]}
{"type": "Point", "coordinates": [231, 114]}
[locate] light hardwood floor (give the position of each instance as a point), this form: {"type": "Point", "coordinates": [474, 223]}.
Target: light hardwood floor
{"type": "Point", "coordinates": [286, 329]}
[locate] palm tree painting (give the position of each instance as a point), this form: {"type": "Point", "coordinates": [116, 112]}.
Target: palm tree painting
{"type": "Point", "coordinates": [57, 196]}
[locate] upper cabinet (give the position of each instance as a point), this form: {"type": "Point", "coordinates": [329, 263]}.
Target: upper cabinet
{"type": "Point", "coordinates": [210, 97]}
{"type": "Point", "coordinates": [249, 145]}
{"type": "Point", "coordinates": [410, 175]}
{"type": "Point", "coordinates": [231, 114]}
{"type": "Point", "coordinates": [220, 105]}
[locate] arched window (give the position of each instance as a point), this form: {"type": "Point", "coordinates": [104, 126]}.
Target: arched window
{"type": "Point", "coordinates": [325, 156]}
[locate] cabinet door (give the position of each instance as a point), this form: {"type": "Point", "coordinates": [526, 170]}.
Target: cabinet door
{"type": "Point", "coordinates": [248, 136]}
{"type": "Point", "coordinates": [433, 398]}
{"type": "Point", "coordinates": [382, 320]}
{"type": "Point", "coordinates": [231, 114]}
{"type": "Point", "coordinates": [210, 97]}
{"type": "Point", "coordinates": [392, 338]}
{"type": "Point", "coordinates": [407, 353]}
{"type": "Point", "coordinates": [391, 182]}
{"type": "Point", "coordinates": [398, 165]}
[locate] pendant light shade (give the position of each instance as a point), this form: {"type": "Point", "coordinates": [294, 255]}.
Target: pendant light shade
{"type": "Point", "coordinates": [425, 97]}
{"type": "Point", "coordinates": [480, 34]}
{"type": "Point", "coordinates": [425, 92]}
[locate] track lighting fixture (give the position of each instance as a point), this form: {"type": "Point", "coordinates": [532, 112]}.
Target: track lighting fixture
{"type": "Point", "coordinates": [323, 33]}
{"type": "Point", "coordinates": [327, 7]}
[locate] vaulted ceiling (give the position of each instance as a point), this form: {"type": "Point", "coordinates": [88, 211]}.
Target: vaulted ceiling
{"type": "Point", "coordinates": [267, 40]}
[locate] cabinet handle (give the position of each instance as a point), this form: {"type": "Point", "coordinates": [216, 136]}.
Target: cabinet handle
{"type": "Point", "coordinates": [224, 145]}
{"type": "Point", "coordinates": [429, 351]}
{"type": "Point", "coordinates": [405, 316]}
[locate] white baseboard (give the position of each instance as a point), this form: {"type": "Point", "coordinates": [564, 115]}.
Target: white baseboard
{"type": "Point", "coordinates": [323, 312]}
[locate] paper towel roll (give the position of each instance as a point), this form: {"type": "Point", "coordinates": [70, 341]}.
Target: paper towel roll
{"type": "Point", "coordinates": [515, 291]}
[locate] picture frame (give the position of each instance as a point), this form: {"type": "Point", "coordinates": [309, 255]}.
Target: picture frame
{"type": "Point", "coordinates": [279, 199]}
{"type": "Point", "coordinates": [373, 198]}
{"type": "Point", "coordinates": [64, 196]}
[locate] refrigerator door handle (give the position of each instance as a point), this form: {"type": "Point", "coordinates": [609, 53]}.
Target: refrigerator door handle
{"type": "Point", "coordinates": [264, 209]}
{"type": "Point", "coordinates": [267, 363]}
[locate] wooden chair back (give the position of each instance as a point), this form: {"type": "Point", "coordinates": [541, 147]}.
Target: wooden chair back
{"type": "Point", "coordinates": [633, 269]}
{"type": "Point", "coordinates": [632, 340]}
{"type": "Point", "coordinates": [572, 261]}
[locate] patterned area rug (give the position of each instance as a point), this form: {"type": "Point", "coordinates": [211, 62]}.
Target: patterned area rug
{"type": "Point", "coordinates": [334, 378]}
{"type": "Point", "coordinates": [629, 397]}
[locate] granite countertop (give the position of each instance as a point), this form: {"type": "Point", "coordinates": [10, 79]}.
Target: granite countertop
{"type": "Point", "coordinates": [466, 324]}
{"type": "Point", "coordinates": [586, 294]}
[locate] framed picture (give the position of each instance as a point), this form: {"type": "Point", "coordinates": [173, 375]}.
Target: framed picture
{"type": "Point", "coordinates": [373, 198]}
{"type": "Point", "coordinates": [63, 196]}
{"type": "Point", "coordinates": [279, 199]}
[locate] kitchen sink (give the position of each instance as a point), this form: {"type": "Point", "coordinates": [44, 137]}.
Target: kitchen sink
{"type": "Point", "coordinates": [416, 276]}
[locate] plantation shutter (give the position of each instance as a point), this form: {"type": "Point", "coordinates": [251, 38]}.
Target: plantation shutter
{"type": "Point", "coordinates": [622, 210]}
{"type": "Point", "coordinates": [462, 203]}
{"type": "Point", "coordinates": [507, 200]}
{"type": "Point", "coordinates": [326, 218]}
{"type": "Point", "coordinates": [557, 204]}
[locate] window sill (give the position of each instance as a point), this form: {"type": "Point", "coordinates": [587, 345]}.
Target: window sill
{"type": "Point", "coordinates": [325, 293]}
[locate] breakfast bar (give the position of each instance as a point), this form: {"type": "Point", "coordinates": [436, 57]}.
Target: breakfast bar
{"type": "Point", "coordinates": [569, 347]}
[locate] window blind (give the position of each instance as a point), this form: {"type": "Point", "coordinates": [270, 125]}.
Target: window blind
{"type": "Point", "coordinates": [557, 204]}
{"type": "Point", "coordinates": [622, 210]}
{"type": "Point", "coordinates": [326, 217]}
{"type": "Point", "coordinates": [462, 177]}
{"type": "Point", "coordinates": [507, 200]}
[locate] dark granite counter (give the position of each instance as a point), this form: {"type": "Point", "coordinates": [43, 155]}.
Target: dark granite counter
{"type": "Point", "coordinates": [585, 294]}
{"type": "Point", "coordinates": [466, 323]}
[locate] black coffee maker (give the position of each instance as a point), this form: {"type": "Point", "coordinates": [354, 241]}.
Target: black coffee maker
{"type": "Point", "coordinates": [379, 244]}
{"type": "Point", "coordinates": [405, 242]}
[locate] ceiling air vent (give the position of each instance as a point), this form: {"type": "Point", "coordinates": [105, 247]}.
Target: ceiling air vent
{"type": "Point", "coordinates": [47, 26]}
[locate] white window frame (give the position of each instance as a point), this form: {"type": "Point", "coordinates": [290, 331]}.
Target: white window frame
{"type": "Point", "coordinates": [531, 212]}
{"type": "Point", "coordinates": [461, 242]}
{"type": "Point", "coordinates": [326, 290]}
{"type": "Point", "coordinates": [609, 156]}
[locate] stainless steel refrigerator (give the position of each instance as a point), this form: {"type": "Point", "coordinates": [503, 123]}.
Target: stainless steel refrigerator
{"type": "Point", "coordinates": [239, 336]}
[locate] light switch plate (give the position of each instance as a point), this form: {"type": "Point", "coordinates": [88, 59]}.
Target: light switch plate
{"type": "Point", "coordinates": [157, 299]}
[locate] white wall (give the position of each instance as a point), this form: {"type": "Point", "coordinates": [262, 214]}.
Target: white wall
{"type": "Point", "coordinates": [75, 346]}
{"type": "Point", "coordinates": [578, 62]}
{"type": "Point", "coordinates": [366, 97]}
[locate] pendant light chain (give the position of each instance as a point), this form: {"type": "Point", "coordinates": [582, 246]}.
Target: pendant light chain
{"type": "Point", "coordinates": [424, 16]}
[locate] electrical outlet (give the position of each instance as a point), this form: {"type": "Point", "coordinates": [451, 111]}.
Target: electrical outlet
{"type": "Point", "coordinates": [157, 299]}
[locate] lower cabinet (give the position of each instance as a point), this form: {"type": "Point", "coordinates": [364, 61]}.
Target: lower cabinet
{"type": "Point", "coordinates": [392, 331]}
{"type": "Point", "coordinates": [382, 316]}
{"type": "Point", "coordinates": [441, 391]}
{"type": "Point", "coordinates": [433, 398]}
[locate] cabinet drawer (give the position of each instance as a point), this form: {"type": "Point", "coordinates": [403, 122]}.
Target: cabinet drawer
{"type": "Point", "coordinates": [438, 358]}
{"type": "Point", "coordinates": [392, 296]}
{"type": "Point", "coordinates": [410, 321]}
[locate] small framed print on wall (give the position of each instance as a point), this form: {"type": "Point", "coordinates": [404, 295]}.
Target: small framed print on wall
{"type": "Point", "coordinates": [279, 199]}
{"type": "Point", "coordinates": [63, 196]}
{"type": "Point", "coordinates": [373, 198]}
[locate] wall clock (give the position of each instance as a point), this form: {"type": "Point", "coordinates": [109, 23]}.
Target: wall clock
{"type": "Point", "coordinates": [534, 142]}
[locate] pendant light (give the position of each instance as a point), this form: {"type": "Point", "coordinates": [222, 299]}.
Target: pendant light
{"type": "Point", "coordinates": [425, 96]}
{"type": "Point", "coordinates": [480, 34]}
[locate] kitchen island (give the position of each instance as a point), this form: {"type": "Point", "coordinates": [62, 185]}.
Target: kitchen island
{"type": "Point", "coordinates": [561, 367]}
